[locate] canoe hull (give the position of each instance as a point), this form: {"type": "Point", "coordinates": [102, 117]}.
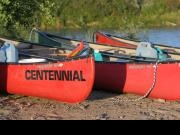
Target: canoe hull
{"type": "Point", "coordinates": [69, 81]}
{"type": "Point", "coordinates": [138, 79]}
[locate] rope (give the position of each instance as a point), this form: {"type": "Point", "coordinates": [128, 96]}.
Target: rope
{"type": "Point", "coordinates": [151, 88]}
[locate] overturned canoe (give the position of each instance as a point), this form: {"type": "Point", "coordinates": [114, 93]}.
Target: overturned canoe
{"type": "Point", "coordinates": [108, 39]}
{"type": "Point", "coordinates": [66, 80]}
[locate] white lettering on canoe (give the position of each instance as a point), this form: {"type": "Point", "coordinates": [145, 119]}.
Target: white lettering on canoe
{"type": "Point", "coordinates": [57, 65]}
{"type": "Point", "coordinates": [140, 66]}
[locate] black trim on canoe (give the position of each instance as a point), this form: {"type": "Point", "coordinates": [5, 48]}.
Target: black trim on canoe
{"type": "Point", "coordinates": [140, 62]}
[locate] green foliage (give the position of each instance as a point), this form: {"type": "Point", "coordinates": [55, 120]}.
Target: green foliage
{"type": "Point", "coordinates": [18, 15]}
{"type": "Point", "coordinates": [44, 14]}
{"type": "Point", "coordinates": [113, 13]}
{"type": "Point", "coordinates": [3, 18]}
{"type": "Point", "coordinates": [21, 15]}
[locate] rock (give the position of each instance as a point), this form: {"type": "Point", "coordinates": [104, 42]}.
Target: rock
{"type": "Point", "coordinates": [103, 116]}
{"type": "Point", "coordinates": [122, 117]}
{"type": "Point", "coordinates": [40, 118]}
{"type": "Point", "coordinates": [161, 100]}
{"type": "Point", "coordinates": [171, 24]}
{"type": "Point", "coordinates": [54, 117]}
{"type": "Point", "coordinates": [84, 107]}
{"type": "Point", "coordinates": [178, 109]}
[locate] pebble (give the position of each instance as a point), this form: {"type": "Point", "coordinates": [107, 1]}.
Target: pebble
{"type": "Point", "coordinates": [161, 100]}
{"type": "Point", "coordinates": [84, 107]}
{"type": "Point", "coordinates": [103, 116]}
{"type": "Point", "coordinates": [178, 109]}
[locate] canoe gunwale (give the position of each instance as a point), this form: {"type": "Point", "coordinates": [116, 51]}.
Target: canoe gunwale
{"type": "Point", "coordinates": [138, 63]}
{"type": "Point", "coordinates": [44, 63]}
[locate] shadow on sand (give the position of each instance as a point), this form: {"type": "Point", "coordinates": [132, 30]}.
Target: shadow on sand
{"type": "Point", "coordinates": [100, 95]}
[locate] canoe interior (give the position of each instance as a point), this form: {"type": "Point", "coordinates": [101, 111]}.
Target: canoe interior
{"type": "Point", "coordinates": [30, 50]}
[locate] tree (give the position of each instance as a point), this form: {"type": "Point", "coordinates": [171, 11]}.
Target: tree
{"type": "Point", "coordinates": [18, 14]}
{"type": "Point", "coordinates": [3, 17]}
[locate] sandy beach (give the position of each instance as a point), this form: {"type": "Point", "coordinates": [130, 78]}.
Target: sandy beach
{"type": "Point", "coordinates": [99, 106]}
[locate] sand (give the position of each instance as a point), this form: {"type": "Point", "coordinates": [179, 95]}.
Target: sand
{"type": "Point", "coordinates": [99, 106]}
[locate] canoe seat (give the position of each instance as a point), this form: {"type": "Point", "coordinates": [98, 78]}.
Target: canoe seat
{"type": "Point", "coordinates": [32, 60]}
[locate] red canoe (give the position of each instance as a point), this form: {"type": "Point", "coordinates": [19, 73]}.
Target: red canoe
{"type": "Point", "coordinates": [69, 80]}
{"type": "Point", "coordinates": [139, 78]}
{"type": "Point", "coordinates": [108, 39]}
{"type": "Point", "coordinates": [101, 38]}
